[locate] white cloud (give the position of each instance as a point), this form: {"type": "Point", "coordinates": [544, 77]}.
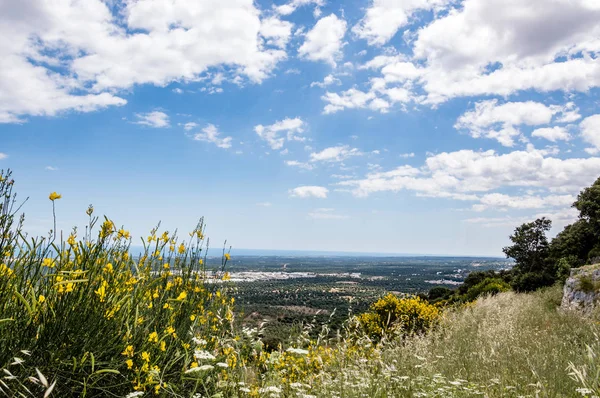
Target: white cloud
{"type": "Point", "coordinates": [70, 55]}
{"type": "Point", "coordinates": [288, 8]}
{"type": "Point", "coordinates": [309, 191]}
{"type": "Point", "coordinates": [177, 90]}
{"type": "Point", "coordinates": [264, 204]}
{"type": "Point", "coordinates": [352, 99]}
{"type": "Point", "coordinates": [156, 119]}
{"type": "Point", "coordinates": [211, 134]}
{"type": "Point", "coordinates": [49, 168]}
{"type": "Point", "coordinates": [407, 155]}
{"type": "Point", "coordinates": [292, 128]}
{"type": "Point", "coordinates": [326, 214]}
{"type": "Point", "coordinates": [484, 47]}
{"type": "Point", "coordinates": [590, 131]}
{"type": "Point", "coordinates": [469, 175]}
{"type": "Point", "coordinates": [556, 133]}
{"type": "Point", "coordinates": [384, 17]}
{"type": "Point", "coordinates": [334, 154]}
{"type": "Point", "coordinates": [189, 126]}
{"type": "Point", "coordinates": [3, 156]}
{"type": "Point", "coordinates": [276, 31]}
{"type": "Point", "coordinates": [324, 41]}
{"type": "Point", "coordinates": [300, 165]}
{"type": "Point", "coordinates": [500, 122]}
{"type": "Point", "coordinates": [558, 217]}
{"type": "Point", "coordinates": [520, 39]}
{"type": "Point", "coordinates": [327, 81]}
{"type": "Point", "coordinates": [498, 200]}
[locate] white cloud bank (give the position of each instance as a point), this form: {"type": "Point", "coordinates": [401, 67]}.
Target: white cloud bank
{"type": "Point", "coordinates": [272, 134]}
{"type": "Point", "coordinates": [78, 55]}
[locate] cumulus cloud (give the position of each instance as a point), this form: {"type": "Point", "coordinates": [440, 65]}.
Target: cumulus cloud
{"type": "Point", "coordinates": [211, 134]}
{"type": "Point", "coordinates": [383, 18]}
{"type": "Point", "coordinates": [590, 130]}
{"type": "Point", "coordinates": [309, 191]}
{"type": "Point", "coordinates": [327, 81]}
{"type": "Point", "coordinates": [277, 133]}
{"type": "Point", "coordinates": [3, 156]}
{"type": "Point", "coordinates": [156, 119]}
{"type": "Point", "coordinates": [478, 176]}
{"type": "Point", "coordinates": [324, 41]}
{"type": "Point", "coordinates": [290, 7]}
{"type": "Point", "coordinates": [556, 133]}
{"type": "Point", "coordinates": [484, 47]}
{"type": "Point", "coordinates": [62, 56]}
{"type": "Point", "coordinates": [501, 121]}
{"type": "Point", "coordinates": [334, 154]}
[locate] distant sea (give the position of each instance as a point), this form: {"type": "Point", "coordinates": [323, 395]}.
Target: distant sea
{"type": "Point", "coordinates": [214, 252]}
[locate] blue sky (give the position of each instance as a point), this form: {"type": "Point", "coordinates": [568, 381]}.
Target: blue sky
{"type": "Point", "coordinates": [400, 126]}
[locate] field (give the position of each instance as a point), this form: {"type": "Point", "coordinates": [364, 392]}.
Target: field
{"type": "Point", "coordinates": [283, 292]}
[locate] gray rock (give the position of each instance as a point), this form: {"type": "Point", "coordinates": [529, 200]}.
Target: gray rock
{"type": "Point", "coordinates": [582, 289]}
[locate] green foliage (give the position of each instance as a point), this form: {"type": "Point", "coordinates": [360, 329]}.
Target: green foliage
{"type": "Point", "coordinates": [587, 284]}
{"type": "Point", "coordinates": [588, 204]}
{"type": "Point", "coordinates": [574, 242]}
{"type": "Point", "coordinates": [488, 286]}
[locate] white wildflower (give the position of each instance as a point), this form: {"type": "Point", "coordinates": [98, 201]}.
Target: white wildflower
{"type": "Point", "coordinates": [200, 354]}
{"type": "Point", "coordinates": [222, 365]}
{"type": "Point", "coordinates": [199, 368]}
{"type": "Point", "coordinates": [134, 394]}
{"type": "Point", "coordinates": [297, 351]}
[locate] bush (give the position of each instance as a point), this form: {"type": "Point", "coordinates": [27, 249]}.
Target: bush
{"type": "Point", "coordinates": [93, 319]}
{"type": "Point", "coordinates": [489, 286]}
{"type": "Point", "coordinates": [393, 314]}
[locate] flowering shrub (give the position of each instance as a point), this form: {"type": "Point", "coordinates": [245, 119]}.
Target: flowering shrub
{"type": "Point", "coordinates": [404, 315]}
{"type": "Point", "coordinates": [91, 316]}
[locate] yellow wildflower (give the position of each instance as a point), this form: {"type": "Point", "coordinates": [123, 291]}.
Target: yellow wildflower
{"type": "Point", "coordinates": [170, 330]}
{"type": "Point", "coordinates": [181, 249]}
{"type": "Point", "coordinates": [192, 317]}
{"type": "Point", "coordinates": [182, 296]}
{"type": "Point", "coordinates": [101, 292]}
{"type": "Point", "coordinates": [41, 298]}
{"type": "Point", "coordinates": [226, 276]}
{"type": "Point", "coordinates": [129, 363]}
{"type": "Point", "coordinates": [166, 266]}
{"type": "Point", "coordinates": [163, 346]}
{"type": "Point", "coordinates": [108, 268]}
{"type": "Point", "coordinates": [227, 256]}
{"type": "Point", "coordinates": [146, 356]}
{"type": "Point", "coordinates": [48, 262]}
{"type": "Point", "coordinates": [200, 261]}
{"type": "Point", "coordinates": [71, 241]}
{"type": "Point", "coordinates": [153, 337]}
{"type": "Point", "coordinates": [54, 196]}
{"type": "Point", "coordinates": [128, 351]}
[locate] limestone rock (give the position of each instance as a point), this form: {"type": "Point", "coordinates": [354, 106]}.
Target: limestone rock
{"type": "Point", "coordinates": [582, 289]}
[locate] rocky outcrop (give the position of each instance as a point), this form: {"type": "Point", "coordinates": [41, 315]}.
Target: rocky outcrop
{"type": "Point", "coordinates": [582, 289]}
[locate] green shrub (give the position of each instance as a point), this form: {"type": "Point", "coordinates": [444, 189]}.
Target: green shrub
{"type": "Point", "coordinates": [488, 286]}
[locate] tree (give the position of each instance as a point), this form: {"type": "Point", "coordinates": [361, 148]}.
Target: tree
{"type": "Point", "coordinates": [574, 243]}
{"type": "Point", "coordinates": [530, 250]}
{"type": "Point", "coordinates": [588, 204]}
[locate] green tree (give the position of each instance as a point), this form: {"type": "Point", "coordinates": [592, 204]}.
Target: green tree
{"type": "Point", "coordinates": [588, 204]}
{"type": "Point", "coordinates": [574, 243]}
{"type": "Point", "coordinates": [530, 250]}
